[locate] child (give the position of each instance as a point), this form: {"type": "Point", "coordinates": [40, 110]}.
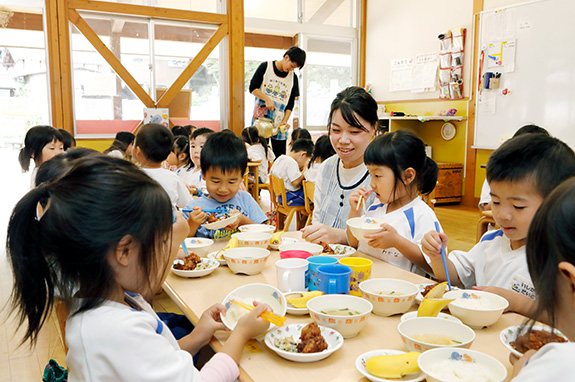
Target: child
{"type": "Point", "coordinates": [224, 161]}
{"type": "Point", "coordinates": [258, 151]}
{"type": "Point", "coordinates": [41, 144]}
{"type": "Point", "coordinates": [103, 269]}
{"type": "Point", "coordinates": [197, 182]}
{"type": "Point", "coordinates": [290, 167]}
{"type": "Point", "coordinates": [67, 139]}
{"type": "Point", "coordinates": [321, 151]}
{"type": "Point", "coordinates": [551, 260]}
{"type": "Point", "coordinates": [152, 146]}
{"type": "Point", "coordinates": [299, 133]}
{"type": "Point", "coordinates": [521, 173]}
{"type": "Point", "coordinates": [60, 164]}
{"type": "Point", "coordinates": [182, 161]}
{"type": "Point", "coordinates": [122, 146]}
{"type": "Point", "coordinates": [400, 171]}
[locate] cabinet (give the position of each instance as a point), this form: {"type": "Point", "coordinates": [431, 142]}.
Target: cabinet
{"type": "Point", "coordinates": [448, 188]}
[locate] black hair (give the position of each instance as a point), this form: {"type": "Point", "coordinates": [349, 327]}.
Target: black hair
{"type": "Point", "coordinates": [352, 102]}
{"type": "Point", "coordinates": [182, 146]}
{"type": "Point", "coordinates": [182, 130]}
{"type": "Point", "coordinates": [34, 141]}
{"type": "Point", "coordinates": [545, 160]}
{"type": "Point", "coordinates": [551, 240]}
{"type": "Point", "coordinates": [121, 142]}
{"type": "Point", "coordinates": [251, 135]}
{"type": "Point", "coordinates": [296, 55]}
{"type": "Point", "coordinates": [57, 166]}
{"type": "Point", "coordinates": [201, 131]}
{"type": "Point", "coordinates": [228, 131]}
{"type": "Point", "coordinates": [531, 129]}
{"type": "Point", "coordinates": [67, 139]}
{"type": "Point", "coordinates": [155, 141]}
{"type": "Point", "coordinates": [305, 145]}
{"type": "Point", "coordinates": [225, 152]}
{"type": "Point", "coordinates": [322, 150]}
{"type": "Point", "coordinates": [92, 208]}
{"type": "Point", "coordinates": [400, 150]}
{"type": "Point", "coordinates": [300, 133]}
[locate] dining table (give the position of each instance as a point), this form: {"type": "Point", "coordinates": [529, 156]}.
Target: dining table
{"type": "Point", "coordinates": [258, 363]}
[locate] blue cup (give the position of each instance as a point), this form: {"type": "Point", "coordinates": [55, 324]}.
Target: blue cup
{"type": "Point", "coordinates": [334, 278]}
{"type": "Point", "coordinates": [314, 263]}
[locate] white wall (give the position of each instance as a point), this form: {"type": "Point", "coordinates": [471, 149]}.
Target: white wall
{"type": "Point", "coordinates": [399, 29]}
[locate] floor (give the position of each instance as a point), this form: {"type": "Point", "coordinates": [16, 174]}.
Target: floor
{"type": "Point", "coordinates": [22, 363]}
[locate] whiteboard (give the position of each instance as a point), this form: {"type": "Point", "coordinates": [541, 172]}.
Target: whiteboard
{"type": "Point", "coordinates": [542, 83]}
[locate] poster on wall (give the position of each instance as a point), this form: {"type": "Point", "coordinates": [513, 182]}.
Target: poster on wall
{"type": "Point", "coordinates": [155, 115]}
{"type": "Point", "coordinates": [401, 72]}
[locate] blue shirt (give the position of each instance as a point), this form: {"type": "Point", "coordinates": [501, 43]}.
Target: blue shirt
{"type": "Point", "coordinates": [242, 201]}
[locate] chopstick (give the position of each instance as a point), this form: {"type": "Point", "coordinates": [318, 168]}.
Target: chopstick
{"type": "Point", "coordinates": [362, 201]}
{"type": "Point", "coordinates": [268, 316]}
{"type": "Point", "coordinates": [185, 248]}
{"type": "Point", "coordinates": [443, 258]}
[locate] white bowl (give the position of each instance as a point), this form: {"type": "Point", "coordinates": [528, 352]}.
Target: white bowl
{"type": "Point", "coordinates": [219, 258]}
{"type": "Point", "coordinates": [348, 326]}
{"type": "Point", "coordinates": [364, 225]}
{"type": "Point", "coordinates": [362, 359]}
{"type": "Point", "coordinates": [211, 266]}
{"type": "Point", "coordinates": [398, 298]}
{"type": "Point", "coordinates": [199, 245]}
{"type": "Point", "coordinates": [410, 315]}
{"type": "Point", "coordinates": [434, 326]}
{"type": "Point", "coordinates": [314, 249]}
{"type": "Point", "coordinates": [253, 239]}
{"type": "Point", "coordinates": [265, 228]}
{"type": "Point", "coordinates": [246, 260]}
{"type": "Point", "coordinates": [342, 251]}
{"type": "Point", "coordinates": [333, 338]}
{"type": "Point", "coordinates": [487, 310]}
{"type": "Point", "coordinates": [259, 292]}
{"type": "Point", "coordinates": [511, 333]}
{"type": "Point", "coordinates": [437, 364]}
{"type": "Point", "coordinates": [222, 223]}
{"type": "Point", "coordinates": [283, 240]}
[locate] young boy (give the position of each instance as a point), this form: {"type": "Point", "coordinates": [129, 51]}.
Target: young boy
{"type": "Point", "coordinates": [199, 137]}
{"type": "Point", "coordinates": [152, 146]}
{"type": "Point", "coordinates": [224, 160]}
{"type": "Point", "coordinates": [290, 168]}
{"type": "Point", "coordinates": [521, 173]}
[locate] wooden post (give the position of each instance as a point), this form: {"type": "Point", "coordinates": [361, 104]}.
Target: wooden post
{"type": "Point", "coordinates": [236, 69]}
{"type": "Point", "coordinates": [53, 48]}
{"type": "Point", "coordinates": [362, 42]}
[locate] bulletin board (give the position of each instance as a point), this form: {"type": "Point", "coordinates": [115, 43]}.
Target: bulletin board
{"type": "Point", "coordinates": [530, 46]}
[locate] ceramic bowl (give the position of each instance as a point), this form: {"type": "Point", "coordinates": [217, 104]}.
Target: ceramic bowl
{"type": "Point", "coordinates": [246, 260]}
{"type": "Point", "coordinates": [198, 245]}
{"type": "Point", "coordinates": [356, 310]}
{"type": "Point", "coordinates": [314, 249]}
{"type": "Point", "coordinates": [210, 266]}
{"type": "Point", "coordinates": [265, 228]}
{"type": "Point", "coordinates": [477, 309]}
{"type": "Point", "coordinates": [439, 365]}
{"type": "Point", "coordinates": [362, 359]}
{"type": "Point", "coordinates": [430, 327]}
{"type": "Point", "coordinates": [511, 333]}
{"type": "Point", "coordinates": [363, 226]}
{"type": "Point", "coordinates": [410, 315]}
{"type": "Point", "coordinates": [253, 239]}
{"type": "Point", "coordinates": [389, 296]}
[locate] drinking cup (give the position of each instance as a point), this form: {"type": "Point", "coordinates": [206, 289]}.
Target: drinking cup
{"type": "Point", "coordinates": [298, 254]}
{"type": "Point", "coordinates": [361, 271]}
{"type": "Point", "coordinates": [292, 274]}
{"type": "Point", "coordinates": [314, 263]}
{"type": "Point", "coordinates": [334, 278]}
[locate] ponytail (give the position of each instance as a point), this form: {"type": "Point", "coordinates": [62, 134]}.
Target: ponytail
{"type": "Point", "coordinates": [24, 159]}
{"type": "Point", "coordinates": [429, 174]}
{"type": "Point", "coordinates": [251, 135]}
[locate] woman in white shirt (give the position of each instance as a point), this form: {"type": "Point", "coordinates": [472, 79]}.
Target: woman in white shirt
{"type": "Point", "coordinates": [258, 151]}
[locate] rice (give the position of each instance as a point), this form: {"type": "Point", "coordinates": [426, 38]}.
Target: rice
{"type": "Point", "coordinates": [473, 303]}
{"type": "Point", "coordinates": [450, 370]}
{"type": "Point", "coordinates": [235, 312]}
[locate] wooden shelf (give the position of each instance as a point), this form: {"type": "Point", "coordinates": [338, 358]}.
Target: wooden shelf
{"type": "Point", "coordinates": [425, 118]}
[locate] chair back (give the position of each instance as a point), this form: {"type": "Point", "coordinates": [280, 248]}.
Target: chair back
{"type": "Point", "coordinates": [308, 190]}
{"type": "Point", "coordinates": [278, 189]}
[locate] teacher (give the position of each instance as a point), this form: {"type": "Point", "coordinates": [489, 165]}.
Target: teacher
{"type": "Point", "coordinates": [276, 86]}
{"type": "Point", "coordinates": [351, 127]}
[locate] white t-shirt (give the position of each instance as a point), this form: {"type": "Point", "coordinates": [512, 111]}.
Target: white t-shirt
{"type": "Point", "coordinates": [33, 177]}
{"type": "Point", "coordinates": [257, 153]}
{"type": "Point", "coordinates": [411, 221]}
{"type": "Point", "coordinates": [286, 167]}
{"type": "Point", "coordinates": [551, 363]}
{"type": "Point", "coordinates": [186, 174]}
{"type": "Point", "coordinates": [485, 194]}
{"type": "Point", "coordinates": [492, 262]}
{"type": "Point", "coordinates": [311, 173]}
{"type": "Point", "coordinates": [117, 342]}
{"type": "Point", "coordinates": [116, 154]}
{"type": "Point", "coordinates": [196, 179]}
{"type": "Point", "coordinates": [176, 189]}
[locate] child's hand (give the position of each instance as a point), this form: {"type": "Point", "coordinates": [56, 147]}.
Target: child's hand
{"type": "Point", "coordinates": [318, 232]}
{"type": "Point", "coordinates": [432, 242]}
{"type": "Point", "coordinates": [193, 189]}
{"type": "Point", "coordinates": [198, 216]}
{"type": "Point", "coordinates": [252, 325]}
{"type": "Point", "coordinates": [355, 201]}
{"type": "Point", "coordinates": [209, 322]}
{"type": "Point", "coordinates": [239, 220]}
{"type": "Point", "coordinates": [384, 239]}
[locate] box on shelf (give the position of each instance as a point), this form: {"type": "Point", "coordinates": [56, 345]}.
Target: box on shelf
{"type": "Point", "coordinates": [449, 179]}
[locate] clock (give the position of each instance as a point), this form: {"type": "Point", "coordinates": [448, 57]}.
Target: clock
{"type": "Point", "coordinates": [448, 131]}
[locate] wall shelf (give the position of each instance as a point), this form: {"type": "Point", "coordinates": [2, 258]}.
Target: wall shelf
{"type": "Point", "coordinates": [425, 118]}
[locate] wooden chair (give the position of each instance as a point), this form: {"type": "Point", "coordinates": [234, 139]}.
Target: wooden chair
{"type": "Point", "coordinates": [483, 223]}
{"type": "Point", "coordinates": [278, 189]}
{"type": "Point", "coordinates": [60, 313]}
{"type": "Point", "coordinates": [309, 190]}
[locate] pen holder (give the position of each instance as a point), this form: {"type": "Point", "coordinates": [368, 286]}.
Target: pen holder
{"type": "Point", "coordinates": [494, 83]}
{"type": "Point", "coordinates": [486, 79]}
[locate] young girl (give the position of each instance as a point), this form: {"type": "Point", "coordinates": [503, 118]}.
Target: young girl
{"type": "Point", "coordinates": [180, 158]}
{"type": "Point", "coordinates": [400, 171]}
{"type": "Point", "coordinates": [41, 144]}
{"type": "Point", "coordinates": [104, 268]}
{"type": "Point", "coordinates": [122, 146]}
{"type": "Point", "coordinates": [321, 151]}
{"type": "Point", "coordinates": [299, 133]}
{"type": "Point", "coordinates": [258, 151]}
{"type": "Point", "coordinates": [551, 259]}
{"type": "Point", "coordinates": [199, 137]}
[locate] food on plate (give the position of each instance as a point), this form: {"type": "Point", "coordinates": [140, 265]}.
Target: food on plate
{"type": "Point", "coordinates": [192, 262]}
{"type": "Point", "coordinates": [535, 339]}
{"type": "Point", "coordinates": [235, 311]}
{"type": "Point", "coordinates": [233, 243]}
{"type": "Point", "coordinates": [339, 312]}
{"type": "Point", "coordinates": [311, 341]}
{"type": "Point", "coordinates": [455, 370]}
{"type": "Point", "coordinates": [427, 289]}
{"type": "Point", "coordinates": [393, 366]}
{"type": "Point", "coordinates": [434, 302]}
{"type": "Point", "coordinates": [212, 218]}
{"type": "Point", "coordinates": [300, 302]}
{"type": "Point", "coordinates": [326, 248]}
{"type": "Point", "coordinates": [436, 339]}
{"type": "Point", "coordinates": [276, 238]}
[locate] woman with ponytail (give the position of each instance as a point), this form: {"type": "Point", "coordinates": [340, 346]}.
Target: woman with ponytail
{"type": "Point", "coordinates": [400, 172]}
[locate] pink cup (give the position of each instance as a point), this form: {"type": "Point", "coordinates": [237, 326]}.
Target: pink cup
{"type": "Point", "coordinates": [294, 254]}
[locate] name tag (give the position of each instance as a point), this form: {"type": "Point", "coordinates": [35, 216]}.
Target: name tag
{"type": "Point", "coordinates": [522, 286]}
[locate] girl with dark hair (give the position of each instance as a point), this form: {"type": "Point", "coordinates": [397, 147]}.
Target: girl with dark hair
{"type": "Point", "coordinates": [351, 126]}
{"type": "Point", "coordinates": [400, 172]}
{"type": "Point", "coordinates": [122, 146]}
{"type": "Point", "coordinates": [258, 151]}
{"type": "Point", "coordinates": [181, 160]}
{"type": "Point", "coordinates": [104, 265]}
{"type": "Point", "coordinates": [41, 144]}
{"type": "Point", "coordinates": [321, 151]}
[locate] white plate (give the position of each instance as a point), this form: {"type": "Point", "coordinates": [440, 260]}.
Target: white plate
{"type": "Point", "coordinates": [333, 338]}
{"type": "Point", "coordinates": [212, 265]}
{"type": "Point", "coordinates": [509, 334]}
{"type": "Point", "coordinates": [346, 250]}
{"type": "Point", "coordinates": [293, 310]}
{"type": "Point", "coordinates": [284, 240]}
{"type": "Point", "coordinates": [410, 315]}
{"type": "Point", "coordinates": [222, 260]}
{"type": "Point", "coordinates": [419, 296]}
{"type": "Point", "coordinates": [360, 366]}
{"type": "Point", "coordinates": [222, 223]}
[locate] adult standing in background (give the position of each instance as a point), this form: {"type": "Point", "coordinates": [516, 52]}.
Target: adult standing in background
{"type": "Point", "coordinates": [275, 87]}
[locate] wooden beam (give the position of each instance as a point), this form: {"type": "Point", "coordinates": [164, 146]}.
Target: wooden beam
{"type": "Point", "coordinates": [67, 100]}
{"type": "Point", "coordinates": [145, 11]}
{"type": "Point", "coordinates": [29, 21]}
{"type": "Point", "coordinates": [189, 71]}
{"type": "Point", "coordinates": [324, 11]}
{"type": "Point", "coordinates": [112, 60]}
{"type": "Point", "coordinates": [53, 61]}
{"type": "Point", "coordinates": [236, 66]}
{"type": "Point", "coordinates": [362, 42]}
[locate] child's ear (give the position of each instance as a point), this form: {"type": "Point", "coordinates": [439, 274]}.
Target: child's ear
{"type": "Point", "coordinates": [408, 175]}
{"type": "Point", "coordinates": [567, 270]}
{"type": "Point", "coordinates": [182, 157]}
{"type": "Point", "coordinates": [125, 250]}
